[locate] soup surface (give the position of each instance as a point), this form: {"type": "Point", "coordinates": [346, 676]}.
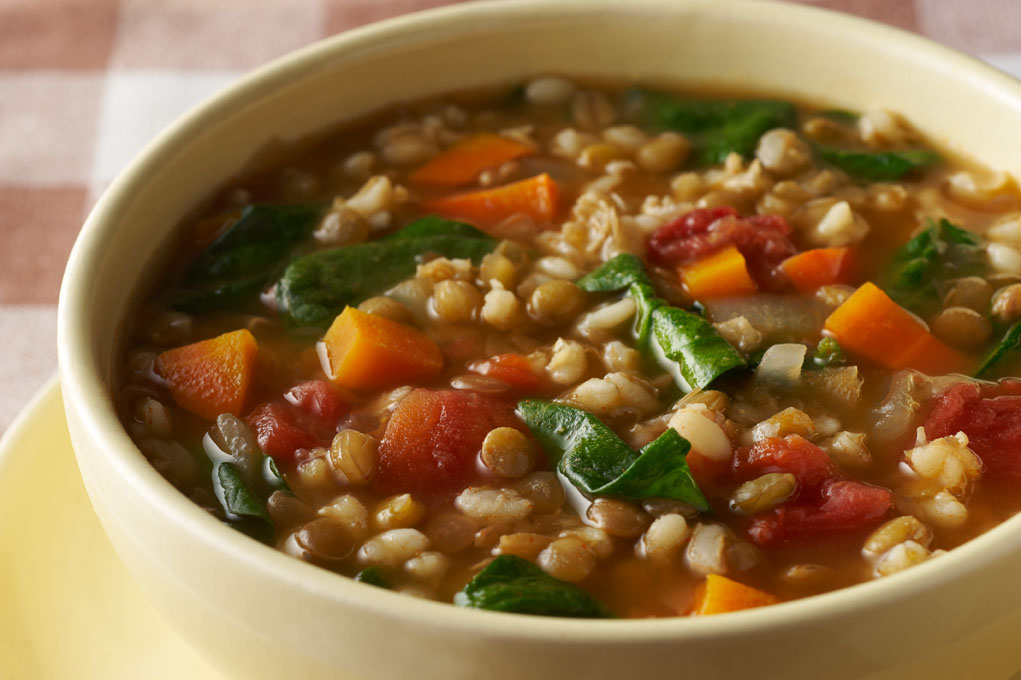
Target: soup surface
{"type": "Point", "coordinates": [589, 351]}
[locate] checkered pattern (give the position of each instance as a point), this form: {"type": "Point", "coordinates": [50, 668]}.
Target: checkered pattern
{"type": "Point", "coordinates": [85, 83]}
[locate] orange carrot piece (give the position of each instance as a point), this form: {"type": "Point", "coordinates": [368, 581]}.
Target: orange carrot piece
{"type": "Point", "coordinates": [463, 162]}
{"type": "Point", "coordinates": [535, 197]}
{"type": "Point", "coordinates": [365, 352]}
{"type": "Point", "coordinates": [871, 324]}
{"type": "Point", "coordinates": [213, 376]}
{"type": "Point", "coordinates": [721, 274]}
{"type": "Point", "coordinates": [812, 269]}
{"type": "Point", "coordinates": [718, 594]}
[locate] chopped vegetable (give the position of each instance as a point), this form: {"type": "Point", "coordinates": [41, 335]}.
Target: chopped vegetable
{"type": "Point", "coordinates": [942, 251]}
{"type": "Point", "coordinates": [812, 269]}
{"type": "Point", "coordinates": [718, 594]}
{"type": "Point", "coordinates": [513, 584]}
{"type": "Point", "coordinates": [721, 274]}
{"type": "Point", "coordinates": [463, 162]}
{"type": "Point", "coordinates": [1010, 343]}
{"type": "Point", "coordinates": [615, 275]}
{"type": "Point", "coordinates": [879, 166]}
{"type": "Point", "coordinates": [871, 324]}
{"type": "Point", "coordinates": [828, 353]}
{"type": "Point", "coordinates": [317, 287]}
{"type": "Point", "coordinates": [990, 417]}
{"type": "Point", "coordinates": [513, 369]}
{"type": "Point", "coordinates": [373, 576]}
{"type": "Point", "coordinates": [717, 127]}
{"type": "Point", "coordinates": [365, 352]}
{"type": "Point", "coordinates": [535, 197]}
{"type": "Point", "coordinates": [432, 440]}
{"type": "Point", "coordinates": [212, 376]}
{"type": "Point", "coordinates": [278, 433]}
{"type": "Point", "coordinates": [237, 497]}
{"type": "Point", "coordinates": [598, 463]}
{"type": "Point", "coordinates": [236, 266]}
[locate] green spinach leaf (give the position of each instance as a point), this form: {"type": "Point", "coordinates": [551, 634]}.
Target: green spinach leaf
{"type": "Point", "coordinates": [317, 287]}
{"type": "Point", "coordinates": [615, 274]}
{"type": "Point", "coordinates": [373, 576]}
{"type": "Point", "coordinates": [692, 344]}
{"type": "Point", "coordinates": [920, 267]}
{"type": "Point", "coordinates": [878, 166]}
{"type": "Point", "coordinates": [512, 584]}
{"type": "Point", "coordinates": [599, 463]}
{"type": "Point", "coordinates": [718, 126]}
{"type": "Point", "coordinates": [1010, 343]}
{"type": "Point", "coordinates": [237, 498]}
{"type": "Point", "coordinates": [246, 257]}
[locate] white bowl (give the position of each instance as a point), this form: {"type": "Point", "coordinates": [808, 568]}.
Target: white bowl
{"type": "Point", "coordinates": [258, 613]}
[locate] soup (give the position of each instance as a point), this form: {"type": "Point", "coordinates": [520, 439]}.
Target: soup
{"type": "Point", "coordinates": [595, 351]}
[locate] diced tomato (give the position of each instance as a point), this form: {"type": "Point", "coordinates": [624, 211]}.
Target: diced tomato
{"type": "Point", "coordinates": [319, 400]}
{"type": "Point", "coordinates": [278, 433]}
{"type": "Point", "coordinates": [430, 445]}
{"type": "Point", "coordinates": [794, 454]}
{"type": "Point", "coordinates": [762, 239]}
{"type": "Point", "coordinates": [992, 423]}
{"type": "Point", "coordinates": [845, 506]}
{"type": "Point", "coordinates": [513, 369]}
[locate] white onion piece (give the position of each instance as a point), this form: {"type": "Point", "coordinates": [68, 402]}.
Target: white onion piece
{"type": "Point", "coordinates": [781, 365]}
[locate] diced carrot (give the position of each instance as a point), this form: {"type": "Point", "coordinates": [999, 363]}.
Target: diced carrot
{"type": "Point", "coordinates": [812, 269]}
{"type": "Point", "coordinates": [213, 376]}
{"type": "Point", "coordinates": [720, 274]}
{"type": "Point", "coordinates": [871, 324]}
{"type": "Point", "coordinates": [464, 161]}
{"type": "Point", "coordinates": [718, 594]}
{"type": "Point", "coordinates": [513, 369]}
{"type": "Point", "coordinates": [365, 352]}
{"type": "Point", "coordinates": [535, 197]}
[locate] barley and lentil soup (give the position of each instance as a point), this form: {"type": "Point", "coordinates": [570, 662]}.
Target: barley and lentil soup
{"type": "Point", "coordinates": [595, 351]}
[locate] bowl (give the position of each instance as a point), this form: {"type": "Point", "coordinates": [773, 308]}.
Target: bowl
{"type": "Point", "coordinates": [257, 613]}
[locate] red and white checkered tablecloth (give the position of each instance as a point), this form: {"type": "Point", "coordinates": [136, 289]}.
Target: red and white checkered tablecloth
{"type": "Point", "coordinates": [84, 84]}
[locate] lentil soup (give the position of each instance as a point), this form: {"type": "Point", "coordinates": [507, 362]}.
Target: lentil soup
{"type": "Point", "coordinates": [595, 351]}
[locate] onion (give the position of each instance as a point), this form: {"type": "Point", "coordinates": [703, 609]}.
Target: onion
{"type": "Point", "coordinates": [781, 365]}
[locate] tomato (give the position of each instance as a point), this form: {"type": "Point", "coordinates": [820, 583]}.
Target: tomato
{"type": "Point", "coordinates": [843, 506]}
{"type": "Point", "coordinates": [320, 400]}
{"type": "Point", "coordinates": [278, 433]}
{"type": "Point", "coordinates": [794, 454]}
{"type": "Point", "coordinates": [431, 443]}
{"type": "Point", "coordinates": [762, 239]}
{"type": "Point", "coordinates": [512, 369]}
{"type": "Point", "coordinates": [992, 420]}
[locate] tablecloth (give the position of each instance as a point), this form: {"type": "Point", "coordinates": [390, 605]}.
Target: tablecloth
{"type": "Point", "coordinates": [84, 84]}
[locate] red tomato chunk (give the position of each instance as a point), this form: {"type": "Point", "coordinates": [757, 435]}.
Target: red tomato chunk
{"type": "Point", "coordinates": [431, 442]}
{"type": "Point", "coordinates": [762, 239]}
{"type": "Point", "coordinates": [307, 418]}
{"type": "Point", "coordinates": [512, 369]}
{"type": "Point", "coordinates": [320, 400]}
{"type": "Point", "coordinates": [992, 423]}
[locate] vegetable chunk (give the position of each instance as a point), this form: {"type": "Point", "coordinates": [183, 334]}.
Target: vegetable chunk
{"type": "Point", "coordinates": [212, 376]}
{"type": "Point", "coordinates": [871, 324]}
{"type": "Point", "coordinates": [535, 197]}
{"type": "Point", "coordinates": [463, 162]}
{"type": "Point", "coordinates": [718, 594]}
{"type": "Point", "coordinates": [722, 274]}
{"type": "Point", "coordinates": [365, 352]}
{"type": "Point", "coordinates": [813, 269]}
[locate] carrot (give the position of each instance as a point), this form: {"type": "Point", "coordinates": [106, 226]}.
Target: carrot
{"type": "Point", "coordinates": [812, 269]}
{"type": "Point", "coordinates": [365, 351]}
{"type": "Point", "coordinates": [513, 369]}
{"type": "Point", "coordinates": [718, 594]}
{"type": "Point", "coordinates": [535, 197]}
{"type": "Point", "coordinates": [871, 324]}
{"type": "Point", "coordinates": [213, 376]}
{"type": "Point", "coordinates": [464, 161]}
{"type": "Point", "coordinates": [720, 274]}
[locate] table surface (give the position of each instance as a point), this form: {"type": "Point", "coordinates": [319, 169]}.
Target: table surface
{"type": "Point", "coordinates": [84, 84]}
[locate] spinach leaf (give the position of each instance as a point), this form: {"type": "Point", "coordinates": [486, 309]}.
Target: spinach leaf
{"type": "Point", "coordinates": [940, 252]}
{"type": "Point", "coordinates": [842, 116]}
{"type": "Point", "coordinates": [512, 584]}
{"type": "Point", "coordinates": [599, 463]}
{"type": "Point", "coordinates": [1010, 343]}
{"type": "Point", "coordinates": [828, 353]}
{"type": "Point", "coordinates": [373, 576]}
{"type": "Point", "coordinates": [246, 257]}
{"type": "Point", "coordinates": [615, 274]}
{"type": "Point", "coordinates": [316, 287]}
{"type": "Point", "coordinates": [878, 166]}
{"type": "Point", "coordinates": [237, 498]}
{"type": "Point", "coordinates": [717, 127]}
{"type": "Point", "coordinates": [274, 478]}
{"type": "Point", "coordinates": [700, 354]}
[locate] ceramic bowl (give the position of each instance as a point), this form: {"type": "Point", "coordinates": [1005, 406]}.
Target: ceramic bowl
{"type": "Point", "coordinates": [257, 613]}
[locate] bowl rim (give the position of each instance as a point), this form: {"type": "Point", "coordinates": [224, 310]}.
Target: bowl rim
{"type": "Point", "coordinates": [86, 395]}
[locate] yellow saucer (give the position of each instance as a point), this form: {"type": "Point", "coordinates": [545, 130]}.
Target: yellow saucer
{"type": "Point", "coordinates": [68, 609]}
